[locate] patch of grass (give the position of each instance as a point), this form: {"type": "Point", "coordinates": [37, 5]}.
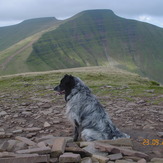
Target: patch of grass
{"type": "Point", "coordinates": [122, 84]}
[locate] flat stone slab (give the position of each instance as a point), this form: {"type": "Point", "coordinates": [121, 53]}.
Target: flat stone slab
{"type": "Point", "coordinates": [116, 156]}
{"type": "Point", "coordinates": [114, 149]}
{"type": "Point", "coordinates": [69, 157]}
{"type": "Point", "coordinates": [32, 158]}
{"type": "Point", "coordinates": [25, 140]}
{"type": "Point", "coordinates": [118, 142]}
{"type": "Point", "coordinates": [101, 159]}
{"type": "Point", "coordinates": [44, 150]}
{"type": "Point", "coordinates": [58, 147]}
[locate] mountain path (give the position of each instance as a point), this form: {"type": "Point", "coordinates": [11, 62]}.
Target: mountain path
{"type": "Point", "coordinates": [10, 58]}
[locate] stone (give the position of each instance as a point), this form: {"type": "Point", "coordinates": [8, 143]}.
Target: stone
{"type": "Point", "coordinates": [46, 137]}
{"type": "Point", "coordinates": [86, 160]}
{"type": "Point", "coordinates": [47, 112]}
{"type": "Point", "coordinates": [91, 149]}
{"type": "Point", "coordinates": [134, 158]}
{"type": "Point", "coordinates": [101, 159]}
{"type": "Point", "coordinates": [54, 160]}
{"type": "Point", "coordinates": [20, 146]}
{"type": "Point", "coordinates": [32, 158]}
{"type": "Point", "coordinates": [25, 140]}
{"type": "Point", "coordinates": [72, 144]}
{"type": "Point", "coordinates": [3, 146]}
{"type": "Point", "coordinates": [3, 113]}
{"type": "Point", "coordinates": [6, 154]}
{"type": "Point", "coordinates": [94, 160]}
{"type": "Point", "coordinates": [11, 145]}
{"type": "Point", "coordinates": [123, 161]}
{"type": "Point", "coordinates": [30, 135]}
{"type": "Point", "coordinates": [25, 104]}
{"type": "Point", "coordinates": [58, 147]}
{"type": "Point", "coordinates": [84, 144]}
{"type": "Point", "coordinates": [17, 131]}
{"type": "Point", "coordinates": [142, 161]}
{"type": "Point", "coordinates": [46, 106]}
{"type": "Point", "coordinates": [8, 135]}
{"type": "Point", "coordinates": [32, 129]}
{"type": "Point", "coordinates": [141, 102]}
{"type": "Point", "coordinates": [157, 160]}
{"type": "Point", "coordinates": [46, 124]}
{"type": "Point", "coordinates": [160, 134]}
{"type": "Point", "coordinates": [150, 91]}
{"type": "Point", "coordinates": [2, 134]}
{"type": "Point", "coordinates": [118, 142]}
{"type": "Point", "coordinates": [27, 113]}
{"type": "Point", "coordinates": [69, 157]}
{"type": "Point", "coordinates": [78, 150]}
{"type": "Point", "coordinates": [45, 150]}
{"type": "Point", "coordinates": [148, 126]}
{"type": "Point", "coordinates": [49, 142]}
{"type": "Point", "coordinates": [56, 122]}
{"type": "Point", "coordinates": [2, 130]}
{"type": "Point", "coordinates": [41, 144]}
{"type": "Point", "coordinates": [114, 149]}
{"type": "Point", "coordinates": [116, 156]}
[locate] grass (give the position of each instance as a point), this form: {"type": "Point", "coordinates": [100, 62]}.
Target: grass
{"type": "Point", "coordinates": [122, 84]}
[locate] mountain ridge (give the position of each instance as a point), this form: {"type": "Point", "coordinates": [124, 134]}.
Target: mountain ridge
{"type": "Point", "coordinates": [91, 37]}
{"type": "Point", "coordinates": [10, 35]}
{"type": "Point", "coordinates": [96, 38]}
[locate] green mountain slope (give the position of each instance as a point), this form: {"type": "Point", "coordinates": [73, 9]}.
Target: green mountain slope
{"type": "Point", "coordinates": [97, 37]}
{"type": "Point", "coordinates": [12, 34]}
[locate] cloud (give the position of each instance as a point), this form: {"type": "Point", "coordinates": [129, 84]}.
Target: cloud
{"type": "Point", "coordinates": [17, 10]}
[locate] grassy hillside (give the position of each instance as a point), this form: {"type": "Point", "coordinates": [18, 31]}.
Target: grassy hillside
{"type": "Point", "coordinates": [103, 81]}
{"type": "Point", "coordinates": [13, 59]}
{"type": "Point", "coordinates": [12, 34]}
{"type": "Point", "coordinates": [97, 37]}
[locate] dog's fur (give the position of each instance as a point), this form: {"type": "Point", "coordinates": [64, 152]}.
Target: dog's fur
{"type": "Point", "coordinates": [87, 115]}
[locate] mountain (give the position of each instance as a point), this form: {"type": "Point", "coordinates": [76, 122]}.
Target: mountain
{"type": "Point", "coordinates": [98, 37]}
{"type": "Point", "coordinates": [12, 34]}
{"type": "Point", "coordinates": [90, 38]}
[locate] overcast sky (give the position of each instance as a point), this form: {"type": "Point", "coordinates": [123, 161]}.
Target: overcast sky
{"type": "Point", "coordinates": [15, 11]}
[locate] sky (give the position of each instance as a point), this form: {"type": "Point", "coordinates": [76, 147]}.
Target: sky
{"type": "Point", "coordinates": [15, 11]}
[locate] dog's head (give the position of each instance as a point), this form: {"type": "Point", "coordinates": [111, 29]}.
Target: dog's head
{"type": "Point", "coordinates": [67, 83]}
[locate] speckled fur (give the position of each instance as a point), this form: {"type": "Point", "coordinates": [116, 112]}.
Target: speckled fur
{"type": "Point", "coordinates": [88, 116]}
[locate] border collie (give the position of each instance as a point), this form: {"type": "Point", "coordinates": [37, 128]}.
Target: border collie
{"type": "Point", "coordinates": [87, 115]}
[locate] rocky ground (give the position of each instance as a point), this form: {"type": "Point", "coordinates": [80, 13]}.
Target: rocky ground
{"type": "Point", "coordinates": [35, 117]}
{"type": "Point", "coordinates": [39, 111]}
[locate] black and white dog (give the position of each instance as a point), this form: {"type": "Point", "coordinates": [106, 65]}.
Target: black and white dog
{"type": "Point", "coordinates": [87, 115]}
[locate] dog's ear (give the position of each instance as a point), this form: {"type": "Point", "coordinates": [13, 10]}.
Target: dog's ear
{"type": "Point", "coordinates": [68, 77]}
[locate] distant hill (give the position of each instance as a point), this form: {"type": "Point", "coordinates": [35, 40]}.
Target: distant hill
{"type": "Point", "coordinates": [12, 34]}
{"type": "Point", "coordinates": [98, 37]}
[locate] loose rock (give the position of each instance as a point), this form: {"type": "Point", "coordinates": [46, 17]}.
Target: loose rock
{"type": "Point", "coordinates": [69, 157]}
{"type": "Point", "coordinates": [116, 156]}
{"type": "Point", "coordinates": [58, 148]}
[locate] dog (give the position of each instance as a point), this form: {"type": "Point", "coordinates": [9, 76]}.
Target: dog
{"type": "Point", "coordinates": [85, 112]}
